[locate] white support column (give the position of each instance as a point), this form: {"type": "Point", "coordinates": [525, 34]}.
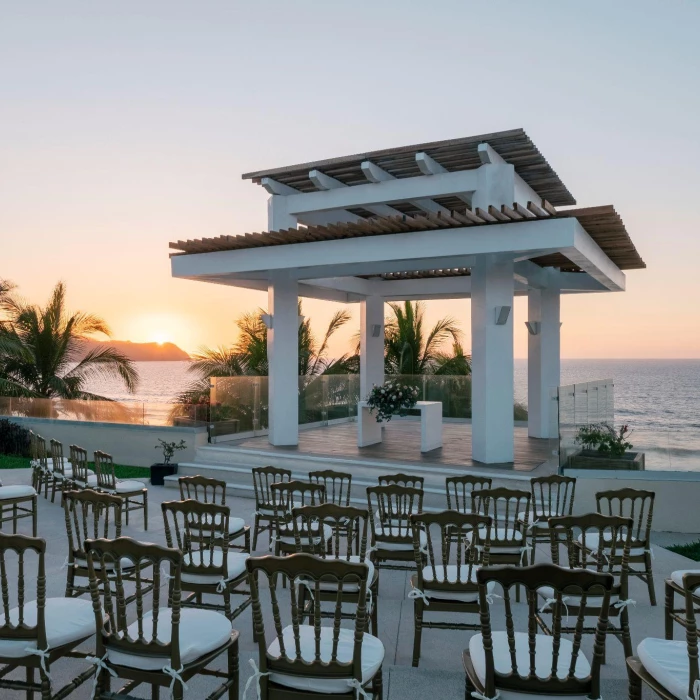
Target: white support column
{"type": "Point", "coordinates": [543, 361]}
{"type": "Point", "coordinates": [492, 360]}
{"type": "Point", "coordinates": [371, 344]}
{"type": "Point", "coordinates": [283, 362]}
{"type": "Point", "coordinates": [277, 216]}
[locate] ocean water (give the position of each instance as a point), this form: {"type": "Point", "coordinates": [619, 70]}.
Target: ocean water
{"type": "Point", "coordinates": [659, 399]}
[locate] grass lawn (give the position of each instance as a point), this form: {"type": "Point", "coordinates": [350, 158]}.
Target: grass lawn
{"type": "Point", "coordinates": [691, 550]}
{"type": "Point", "coordinates": [121, 471]}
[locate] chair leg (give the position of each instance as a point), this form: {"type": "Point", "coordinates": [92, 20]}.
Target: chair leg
{"type": "Point", "coordinates": [418, 631]}
{"type": "Point", "coordinates": [45, 685]}
{"type": "Point", "coordinates": [30, 679]}
{"type": "Point", "coordinates": [233, 670]}
{"type": "Point", "coordinates": [14, 518]}
{"type": "Point", "coordinates": [668, 611]}
{"type": "Point", "coordinates": [650, 578]}
{"type": "Point", "coordinates": [256, 532]}
{"type": "Point", "coordinates": [247, 541]}
{"type": "Point", "coordinates": [534, 546]}
{"type": "Point", "coordinates": [70, 581]}
{"type": "Point", "coordinates": [375, 613]}
{"type": "Point", "coordinates": [34, 516]}
{"type": "Point", "coordinates": [377, 686]}
{"type": "Point", "coordinates": [126, 508]}
{"type": "Point", "coordinates": [145, 511]}
{"type": "Point", "coordinates": [155, 692]}
{"type": "Point", "coordinates": [635, 685]}
{"type": "Point", "coordinates": [53, 489]}
{"type": "Point", "coordinates": [626, 637]}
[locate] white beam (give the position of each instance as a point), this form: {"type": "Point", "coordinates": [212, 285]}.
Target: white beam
{"type": "Point", "coordinates": [274, 187]}
{"type": "Point", "coordinates": [587, 254]}
{"type": "Point", "coordinates": [530, 274]}
{"type": "Point", "coordinates": [429, 166]}
{"type": "Point", "coordinates": [376, 174]}
{"type": "Point", "coordinates": [385, 192]}
{"type": "Point", "coordinates": [488, 156]}
{"type": "Point", "coordinates": [326, 182]}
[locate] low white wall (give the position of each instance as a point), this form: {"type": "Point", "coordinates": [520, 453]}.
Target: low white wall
{"type": "Point", "coordinates": [128, 444]}
{"type": "Point", "coordinates": [677, 503]}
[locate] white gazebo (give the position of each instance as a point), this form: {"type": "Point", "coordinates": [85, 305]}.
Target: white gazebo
{"type": "Point", "coordinates": [467, 218]}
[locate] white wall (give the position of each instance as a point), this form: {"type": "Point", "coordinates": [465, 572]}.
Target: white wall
{"type": "Point", "coordinates": [677, 494]}
{"type": "Point", "coordinates": [133, 445]}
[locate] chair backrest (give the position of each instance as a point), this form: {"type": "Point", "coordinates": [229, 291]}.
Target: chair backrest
{"type": "Point", "coordinates": [456, 545]}
{"type": "Point", "coordinates": [331, 531]}
{"type": "Point", "coordinates": [691, 582]}
{"type": "Point", "coordinates": [89, 516]}
{"type": "Point", "coordinates": [202, 488]}
{"type": "Point", "coordinates": [505, 506]}
{"type": "Point", "coordinates": [310, 650]}
{"type": "Point", "coordinates": [522, 676]}
{"type": "Point", "coordinates": [79, 462]}
{"type": "Point", "coordinates": [107, 569]}
{"type": "Point", "coordinates": [630, 503]}
{"type": "Point", "coordinates": [293, 494]}
{"type": "Point", "coordinates": [263, 478]}
{"type": "Point", "coordinates": [390, 509]}
{"type": "Point", "coordinates": [33, 449]}
{"type": "Point", "coordinates": [59, 464]}
{"type": "Point", "coordinates": [595, 542]}
{"type": "Point", "coordinates": [199, 530]}
{"type": "Point", "coordinates": [409, 480]}
{"type": "Point", "coordinates": [42, 456]}
{"type": "Point", "coordinates": [338, 485]}
{"type": "Point", "coordinates": [459, 491]}
{"type": "Point", "coordinates": [552, 496]}
{"type": "Point", "coordinates": [19, 552]}
{"type": "Point", "coordinates": [104, 468]}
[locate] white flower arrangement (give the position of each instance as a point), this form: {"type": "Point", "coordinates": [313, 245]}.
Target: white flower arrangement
{"type": "Point", "coordinates": [391, 399]}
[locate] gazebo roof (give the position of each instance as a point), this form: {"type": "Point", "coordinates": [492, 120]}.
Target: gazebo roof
{"type": "Point", "coordinates": [603, 224]}
{"type": "Point", "coordinates": [514, 146]}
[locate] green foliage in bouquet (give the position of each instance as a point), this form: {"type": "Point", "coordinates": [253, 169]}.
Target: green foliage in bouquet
{"type": "Point", "coordinates": [391, 399]}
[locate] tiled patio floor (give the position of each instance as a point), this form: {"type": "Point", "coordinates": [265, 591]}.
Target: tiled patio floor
{"type": "Point", "coordinates": [440, 673]}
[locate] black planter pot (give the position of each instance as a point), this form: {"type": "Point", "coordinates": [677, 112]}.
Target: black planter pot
{"type": "Point", "coordinates": [160, 471]}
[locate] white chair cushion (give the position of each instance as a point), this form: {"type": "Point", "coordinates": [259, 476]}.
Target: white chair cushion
{"type": "Point", "coordinates": [200, 632]}
{"type": "Point", "coordinates": [501, 533]}
{"type": "Point", "coordinates": [676, 576]}
{"type": "Point", "coordinates": [573, 599]}
{"type": "Point", "coordinates": [127, 486]}
{"type": "Point", "coordinates": [66, 474]}
{"type": "Point", "coordinates": [543, 659]}
{"type": "Point", "coordinates": [67, 620]}
{"type": "Point", "coordinates": [126, 563]}
{"type": "Point", "coordinates": [18, 491]}
{"type": "Point", "coordinates": [372, 657]}
{"type": "Point", "coordinates": [666, 661]}
{"type": "Point", "coordinates": [234, 524]}
{"type": "Point", "coordinates": [414, 509]}
{"type": "Point", "coordinates": [464, 596]}
{"type": "Point", "coordinates": [235, 563]}
{"type": "Point", "coordinates": [91, 480]}
{"type": "Point", "coordinates": [592, 540]}
{"type": "Point", "coordinates": [399, 546]}
{"type": "Point", "coordinates": [350, 587]}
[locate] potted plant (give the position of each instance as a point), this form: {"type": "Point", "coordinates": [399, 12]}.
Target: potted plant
{"type": "Point", "coordinates": [604, 447]}
{"type": "Point", "coordinates": [162, 469]}
{"type": "Point", "coordinates": [391, 399]}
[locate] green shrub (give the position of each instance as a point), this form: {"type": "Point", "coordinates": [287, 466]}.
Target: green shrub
{"type": "Point", "coordinates": [14, 439]}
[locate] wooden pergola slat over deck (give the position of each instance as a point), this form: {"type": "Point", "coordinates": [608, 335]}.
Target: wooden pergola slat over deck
{"type": "Point", "coordinates": [514, 146]}
{"type": "Point", "coordinates": [603, 224]}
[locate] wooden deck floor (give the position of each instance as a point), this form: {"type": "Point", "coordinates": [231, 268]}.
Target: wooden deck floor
{"type": "Point", "coordinates": [401, 443]}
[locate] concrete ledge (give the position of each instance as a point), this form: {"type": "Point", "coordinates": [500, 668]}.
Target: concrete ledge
{"type": "Point", "coordinates": [127, 443]}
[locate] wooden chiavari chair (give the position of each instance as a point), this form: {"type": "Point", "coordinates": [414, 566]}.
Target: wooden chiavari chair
{"type": "Point", "coordinates": [61, 471]}
{"type": "Point", "coordinates": [83, 477]}
{"type": "Point", "coordinates": [459, 490]}
{"type": "Point", "coordinates": [338, 485]}
{"type": "Point", "coordinates": [128, 490]}
{"type": "Point", "coordinates": [263, 478]}
{"type": "Point", "coordinates": [147, 640]}
{"type": "Point", "coordinates": [512, 663]}
{"type": "Point", "coordinates": [286, 496]}
{"type": "Point", "coordinates": [207, 490]}
{"type": "Point", "coordinates": [311, 661]}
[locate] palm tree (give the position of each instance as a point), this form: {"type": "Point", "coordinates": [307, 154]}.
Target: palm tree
{"type": "Point", "coordinates": [42, 351]}
{"type": "Point", "coordinates": [248, 355]}
{"type": "Point", "coordinates": [409, 349]}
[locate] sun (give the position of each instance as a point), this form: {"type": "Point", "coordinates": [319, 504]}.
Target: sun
{"type": "Point", "coordinates": [160, 338]}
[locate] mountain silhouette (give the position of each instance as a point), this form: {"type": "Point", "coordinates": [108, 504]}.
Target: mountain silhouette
{"type": "Point", "coordinates": [141, 352]}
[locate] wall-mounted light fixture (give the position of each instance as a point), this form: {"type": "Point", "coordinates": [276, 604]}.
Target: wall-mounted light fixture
{"type": "Point", "coordinates": [376, 328]}
{"type": "Point", "coordinates": [502, 314]}
{"type": "Point", "coordinates": [533, 327]}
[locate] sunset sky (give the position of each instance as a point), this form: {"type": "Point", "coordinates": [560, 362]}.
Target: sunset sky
{"type": "Point", "coordinates": [125, 125]}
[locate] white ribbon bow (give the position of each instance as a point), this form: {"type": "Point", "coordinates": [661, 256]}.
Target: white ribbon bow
{"type": "Point", "coordinates": [621, 604]}
{"type": "Point", "coordinates": [524, 552]}
{"type": "Point", "coordinates": [359, 690]}
{"type": "Point", "coordinates": [533, 523]}
{"type": "Point", "coordinates": [476, 694]}
{"type": "Point", "coordinates": [65, 564]}
{"type": "Point", "coordinates": [255, 677]}
{"type": "Point", "coordinates": [550, 601]}
{"type": "Point", "coordinates": [696, 689]}
{"type": "Point", "coordinates": [176, 678]}
{"type": "Point", "coordinates": [43, 654]}
{"type": "Point", "coordinates": [99, 663]}
{"type": "Point", "coordinates": [417, 593]}
{"type": "Point", "coordinates": [273, 539]}
{"type": "Point", "coordinates": [491, 596]}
